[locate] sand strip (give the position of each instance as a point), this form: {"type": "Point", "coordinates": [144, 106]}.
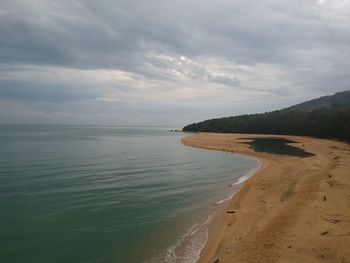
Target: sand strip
{"type": "Point", "coordinates": [292, 210]}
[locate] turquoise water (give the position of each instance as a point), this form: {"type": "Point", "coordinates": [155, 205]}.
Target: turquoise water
{"type": "Point", "coordinates": [107, 194]}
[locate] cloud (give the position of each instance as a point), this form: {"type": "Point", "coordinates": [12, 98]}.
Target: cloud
{"type": "Point", "coordinates": [98, 61]}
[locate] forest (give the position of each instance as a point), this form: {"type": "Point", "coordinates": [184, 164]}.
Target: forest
{"type": "Point", "coordinates": [325, 117]}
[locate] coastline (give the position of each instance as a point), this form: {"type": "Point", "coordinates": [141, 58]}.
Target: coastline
{"type": "Point", "coordinates": [292, 209]}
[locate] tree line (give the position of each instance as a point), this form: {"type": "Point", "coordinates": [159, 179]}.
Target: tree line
{"type": "Point", "coordinates": [327, 121]}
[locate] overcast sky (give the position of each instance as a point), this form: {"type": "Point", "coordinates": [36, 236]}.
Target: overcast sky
{"type": "Point", "coordinates": [167, 62]}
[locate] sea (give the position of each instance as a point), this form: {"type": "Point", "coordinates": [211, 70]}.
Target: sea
{"type": "Point", "coordinates": [110, 194]}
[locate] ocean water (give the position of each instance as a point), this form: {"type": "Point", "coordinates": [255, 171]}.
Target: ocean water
{"type": "Point", "coordinates": [108, 194]}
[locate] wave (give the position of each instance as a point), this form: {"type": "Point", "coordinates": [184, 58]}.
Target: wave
{"type": "Point", "coordinates": [245, 177]}
{"type": "Point", "coordinates": [240, 180]}
{"type": "Point", "coordinates": [189, 246]}
{"type": "Point", "coordinates": [225, 199]}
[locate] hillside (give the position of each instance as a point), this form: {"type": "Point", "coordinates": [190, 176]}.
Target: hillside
{"type": "Point", "coordinates": [325, 117]}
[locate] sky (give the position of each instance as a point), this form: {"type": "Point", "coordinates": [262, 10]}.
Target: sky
{"type": "Point", "coordinates": [159, 62]}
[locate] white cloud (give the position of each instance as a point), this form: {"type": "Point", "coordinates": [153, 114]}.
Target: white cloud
{"type": "Point", "coordinates": [100, 61]}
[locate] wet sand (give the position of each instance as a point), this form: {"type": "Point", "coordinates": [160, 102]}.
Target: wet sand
{"type": "Point", "coordinates": [292, 210]}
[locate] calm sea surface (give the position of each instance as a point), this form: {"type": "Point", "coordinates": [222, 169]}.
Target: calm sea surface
{"type": "Point", "coordinates": [108, 194]}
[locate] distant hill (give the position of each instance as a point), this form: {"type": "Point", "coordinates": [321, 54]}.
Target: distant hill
{"type": "Point", "coordinates": [337, 100]}
{"type": "Point", "coordinates": [325, 117]}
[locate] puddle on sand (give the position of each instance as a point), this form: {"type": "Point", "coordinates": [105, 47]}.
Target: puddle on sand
{"type": "Point", "coordinates": [276, 146]}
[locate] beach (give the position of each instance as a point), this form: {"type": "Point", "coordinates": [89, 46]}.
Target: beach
{"type": "Point", "coordinates": [292, 210]}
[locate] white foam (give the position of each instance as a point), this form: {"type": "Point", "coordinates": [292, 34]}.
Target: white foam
{"type": "Point", "coordinates": [225, 199]}
{"type": "Point", "coordinates": [241, 180]}
{"type": "Point", "coordinates": [190, 245]}
{"type": "Point", "coordinates": [245, 177]}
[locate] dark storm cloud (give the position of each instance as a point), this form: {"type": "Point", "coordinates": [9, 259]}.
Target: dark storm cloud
{"type": "Point", "coordinates": [98, 55]}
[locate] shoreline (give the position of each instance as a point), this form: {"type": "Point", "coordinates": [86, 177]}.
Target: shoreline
{"type": "Point", "coordinates": [289, 210]}
{"type": "Point", "coordinates": [210, 221]}
{"type": "Point", "coordinates": [217, 226]}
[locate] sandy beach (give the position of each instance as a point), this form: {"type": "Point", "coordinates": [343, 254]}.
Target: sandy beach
{"type": "Point", "coordinates": [292, 210]}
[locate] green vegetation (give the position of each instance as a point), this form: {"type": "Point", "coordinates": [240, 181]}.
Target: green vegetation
{"type": "Point", "coordinates": [325, 117]}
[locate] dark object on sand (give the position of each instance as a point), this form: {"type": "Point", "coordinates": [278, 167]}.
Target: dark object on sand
{"type": "Point", "coordinates": [276, 145]}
